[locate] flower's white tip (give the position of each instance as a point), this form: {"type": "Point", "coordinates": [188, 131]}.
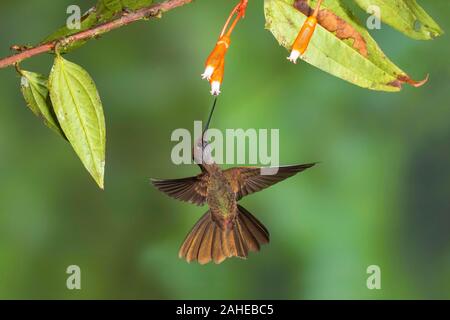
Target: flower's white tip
{"type": "Point", "coordinates": [294, 56]}
{"type": "Point", "coordinates": [208, 72]}
{"type": "Point", "coordinates": [215, 88]}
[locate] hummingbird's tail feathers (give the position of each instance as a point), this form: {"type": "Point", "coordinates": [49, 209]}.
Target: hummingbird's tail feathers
{"type": "Point", "coordinates": [191, 189]}
{"type": "Point", "coordinates": [252, 232]}
{"type": "Point", "coordinates": [195, 240]}
{"type": "Point", "coordinates": [207, 241]}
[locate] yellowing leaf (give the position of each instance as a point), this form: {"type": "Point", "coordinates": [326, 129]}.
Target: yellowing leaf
{"type": "Point", "coordinates": [341, 46]}
{"type": "Point", "coordinates": [35, 91]}
{"type": "Point", "coordinates": [406, 16]}
{"type": "Point", "coordinates": [80, 113]}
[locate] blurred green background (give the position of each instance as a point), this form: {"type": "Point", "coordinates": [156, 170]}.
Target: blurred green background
{"type": "Point", "coordinates": [381, 195]}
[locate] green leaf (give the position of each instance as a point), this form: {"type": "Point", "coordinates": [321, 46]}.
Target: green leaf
{"type": "Point", "coordinates": [136, 4]}
{"type": "Point", "coordinates": [406, 16]}
{"type": "Point", "coordinates": [110, 5]}
{"type": "Point", "coordinates": [353, 56]}
{"type": "Point", "coordinates": [104, 11]}
{"type": "Point", "coordinates": [35, 91]}
{"type": "Point", "coordinates": [88, 20]}
{"type": "Point", "coordinates": [80, 113]}
{"type": "Point", "coordinates": [107, 9]}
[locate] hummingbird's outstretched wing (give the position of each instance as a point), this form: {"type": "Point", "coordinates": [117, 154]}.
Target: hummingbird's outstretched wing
{"type": "Point", "coordinates": [191, 189]}
{"type": "Point", "coordinates": [247, 180]}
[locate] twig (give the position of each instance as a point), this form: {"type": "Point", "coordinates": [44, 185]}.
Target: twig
{"type": "Point", "coordinates": [123, 20]}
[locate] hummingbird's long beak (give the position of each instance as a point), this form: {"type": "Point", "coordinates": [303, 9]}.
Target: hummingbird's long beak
{"type": "Point", "coordinates": [210, 116]}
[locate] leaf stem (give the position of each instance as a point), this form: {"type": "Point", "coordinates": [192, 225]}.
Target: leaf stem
{"type": "Point", "coordinates": [123, 20]}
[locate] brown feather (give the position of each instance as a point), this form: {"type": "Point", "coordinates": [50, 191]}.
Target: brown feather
{"type": "Point", "coordinates": [207, 241]}
{"type": "Point", "coordinates": [189, 238]}
{"type": "Point", "coordinates": [192, 253]}
{"type": "Point", "coordinates": [247, 180]}
{"type": "Point", "coordinates": [191, 189]}
{"type": "Point", "coordinates": [216, 251]}
{"type": "Point", "coordinates": [256, 228]}
{"type": "Point", "coordinates": [249, 238]}
{"type": "Point", "coordinates": [204, 253]}
{"type": "Point", "coordinates": [224, 236]}
{"type": "Point", "coordinates": [241, 248]}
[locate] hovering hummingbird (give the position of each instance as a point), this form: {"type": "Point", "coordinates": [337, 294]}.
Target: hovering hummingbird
{"type": "Point", "coordinates": [226, 229]}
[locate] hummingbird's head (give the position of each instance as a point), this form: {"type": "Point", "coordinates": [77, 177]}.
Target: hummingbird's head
{"type": "Point", "coordinates": [202, 151]}
{"type": "Point", "coordinates": [202, 148]}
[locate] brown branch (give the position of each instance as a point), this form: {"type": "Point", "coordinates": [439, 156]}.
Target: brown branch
{"type": "Point", "coordinates": [125, 19]}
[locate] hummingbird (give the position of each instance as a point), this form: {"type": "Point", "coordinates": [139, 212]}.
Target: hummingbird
{"type": "Point", "coordinates": [227, 229]}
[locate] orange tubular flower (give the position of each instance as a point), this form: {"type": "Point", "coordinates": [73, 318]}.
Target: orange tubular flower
{"type": "Point", "coordinates": [215, 59]}
{"type": "Point", "coordinates": [217, 78]}
{"type": "Point", "coordinates": [215, 63]}
{"type": "Point", "coordinates": [304, 36]}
